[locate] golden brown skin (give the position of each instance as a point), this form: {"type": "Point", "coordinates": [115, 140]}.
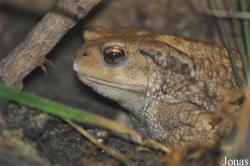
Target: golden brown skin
{"type": "Point", "coordinates": [169, 83]}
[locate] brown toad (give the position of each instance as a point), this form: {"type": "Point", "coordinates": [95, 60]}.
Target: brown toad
{"type": "Point", "coordinates": [169, 83]}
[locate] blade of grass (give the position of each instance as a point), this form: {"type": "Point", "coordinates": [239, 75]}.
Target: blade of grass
{"type": "Point", "coordinates": [246, 28]}
{"type": "Point", "coordinates": [227, 45]}
{"type": "Point", "coordinates": [236, 25]}
{"type": "Point", "coordinates": [67, 112]}
{"type": "Point", "coordinates": [239, 39]}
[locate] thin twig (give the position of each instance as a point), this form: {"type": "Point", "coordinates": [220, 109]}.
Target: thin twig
{"type": "Point", "coordinates": [110, 151]}
{"type": "Point", "coordinates": [32, 51]}
{"type": "Point", "coordinates": [226, 14]}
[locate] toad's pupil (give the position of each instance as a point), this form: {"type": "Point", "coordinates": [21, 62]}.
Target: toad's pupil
{"type": "Point", "coordinates": [113, 55]}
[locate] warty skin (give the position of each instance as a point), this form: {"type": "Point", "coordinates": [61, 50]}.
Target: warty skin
{"type": "Point", "coordinates": [169, 83]}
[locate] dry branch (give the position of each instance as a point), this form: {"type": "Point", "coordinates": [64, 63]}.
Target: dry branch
{"type": "Point", "coordinates": [32, 51]}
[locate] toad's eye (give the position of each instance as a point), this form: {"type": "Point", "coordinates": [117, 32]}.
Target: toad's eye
{"type": "Point", "coordinates": [113, 55]}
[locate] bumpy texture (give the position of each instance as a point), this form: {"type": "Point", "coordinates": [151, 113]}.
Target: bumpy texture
{"type": "Point", "coordinates": [169, 83]}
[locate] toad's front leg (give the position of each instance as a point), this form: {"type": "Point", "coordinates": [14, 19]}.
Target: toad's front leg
{"type": "Point", "coordinates": [182, 124]}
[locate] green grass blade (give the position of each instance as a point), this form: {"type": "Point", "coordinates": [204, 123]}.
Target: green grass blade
{"type": "Point", "coordinates": [43, 104]}
{"type": "Point", "coordinates": [239, 39]}
{"type": "Point", "coordinates": [246, 28]}
{"type": "Point", "coordinates": [228, 47]}
{"type": "Point", "coordinates": [64, 111]}
{"type": "Point", "coordinates": [67, 112]}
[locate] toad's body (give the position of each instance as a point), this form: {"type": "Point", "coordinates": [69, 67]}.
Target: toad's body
{"type": "Point", "coordinates": [169, 83]}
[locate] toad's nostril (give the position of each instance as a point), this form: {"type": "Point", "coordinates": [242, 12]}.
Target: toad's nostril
{"type": "Point", "coordinates": [85, 54]}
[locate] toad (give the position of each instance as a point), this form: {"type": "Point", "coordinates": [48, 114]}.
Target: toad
{"type": "Point", "coordinates": [171, 84]}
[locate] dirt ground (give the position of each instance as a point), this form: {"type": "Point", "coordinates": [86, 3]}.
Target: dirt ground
{"type": "Point", "coordinates": [29, 137]}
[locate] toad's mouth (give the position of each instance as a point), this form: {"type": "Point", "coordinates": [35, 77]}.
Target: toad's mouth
{"type": "Point", "coordinates": [88, 80]}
